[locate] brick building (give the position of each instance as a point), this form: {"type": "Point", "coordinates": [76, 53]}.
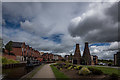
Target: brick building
{"type": "Point", "coordinates": [55, 57]}
{"type": "Point", "coordinates": [94, 60]}
{"type": "Point", "coordinates": [117, 59]}
{"type": "Point", "coordinates": [51, 57]}
{"type": "Point", "coordinates": [41, 53]}
{"type": "Point", "coordinates": [60, 57]}
{"type": "Point", "coordinates": [45, 56]}
{"type": "Point", "coordinates": [48, 56]}
{"type": "Point", "coordinates": [68, 57]}
{"type": "Point", "coordinates": [22, 52]}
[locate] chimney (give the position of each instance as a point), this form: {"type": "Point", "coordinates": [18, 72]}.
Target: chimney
{"type": "Point", "coordinates": [77, 55]}
{"type": "Point", "coordinates": [86, 54]}
{"type": "Point", "coordinates": [77, 51]}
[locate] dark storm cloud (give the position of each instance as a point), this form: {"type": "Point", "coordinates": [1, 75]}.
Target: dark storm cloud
{"type": "Point", "coordinates": [38, 22]}
{"type": "Point", "coordinates": [100, 25]}
{"type": "Point", "coordinates": [42, 19]}
{"type": "Point", "coordinates": [119, 23]}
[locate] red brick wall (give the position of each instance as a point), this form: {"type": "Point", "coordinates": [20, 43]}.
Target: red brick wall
{"type": "Point", "coordinates": [17, 51]}
{"type": "Point", "coordinates": [45, 56]}
{"type": "Point", "coordinates": [30, 52]}
{"type": "Point", "coordinates": [36, 53]}
{"type": "Point", "coordinates": [50, 56]}
{"type": "Point", "coordinates": [60, 57]}
{"type": "Point", "coordinates": [23, 46]}
{"type": "Point", "coordinates": [40, 59]}
{"type": "Point", "coordinates": [27, 51]}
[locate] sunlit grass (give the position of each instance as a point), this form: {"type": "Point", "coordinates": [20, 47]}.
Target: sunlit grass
{"type": "Point", "coordinates": [8, 61]}
{"type": "Point", "coordinates": [107, 70]}
{"type": "Point", "coordinates": [59, 74]}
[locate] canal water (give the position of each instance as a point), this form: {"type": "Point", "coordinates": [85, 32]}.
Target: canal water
{"type": "Point", "coordinates": [15, 72]}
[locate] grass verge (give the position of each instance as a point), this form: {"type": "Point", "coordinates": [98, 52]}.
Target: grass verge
{"type": "Point", "coordinates": [59, 74]}
{"type": "Point", "coordinates": [107, 70]}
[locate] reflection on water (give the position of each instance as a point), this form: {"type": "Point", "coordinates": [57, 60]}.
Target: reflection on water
{"type": "Point", "coordinates": [15, 72]}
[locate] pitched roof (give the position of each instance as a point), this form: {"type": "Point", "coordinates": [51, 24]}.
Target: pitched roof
{"type": "Point", "coordinates": [27, 46]}
{"type": "Point", "coordinates": [17, 44]}
{"type": "Point", "coordinates": [45, 54]}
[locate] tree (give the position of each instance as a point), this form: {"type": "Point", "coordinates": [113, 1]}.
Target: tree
{"type": "Point", "coordinates": [8, 46]}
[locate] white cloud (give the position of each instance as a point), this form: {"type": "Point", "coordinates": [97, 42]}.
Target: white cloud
{"type": "Point", "coordinates": [76, 20]}
{"type": "Point", "coordinates": [46, 19]}
{"type": "Point", "coordinates": [114, 45]}
{"type": "Point", "coordinates": [105, 51]}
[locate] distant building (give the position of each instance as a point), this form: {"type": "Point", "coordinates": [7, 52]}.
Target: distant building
{"type": "Point", "coordinates": [94, 60]}
{"type": "Point", "coordinates": [55, 57]}
{"type": "Point", "coordinates": [67, 57]}
{"type": "Point", "coordinates": [60, 57]}
{"type": "Point", "coordinates": [45, 56]}
{"type": "Point", "coordinates": [117, 59]}
{"type": "Point", "coordinates": [41, 53]}
{"type": "Point", "coordinates": [49, 57]}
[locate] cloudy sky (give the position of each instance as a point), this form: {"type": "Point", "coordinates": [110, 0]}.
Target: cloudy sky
{"type": "Point", "coordinates": [57, 26]}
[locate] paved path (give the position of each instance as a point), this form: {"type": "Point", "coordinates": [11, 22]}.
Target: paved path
{"type": "Point", "coordinates": [45, 72]}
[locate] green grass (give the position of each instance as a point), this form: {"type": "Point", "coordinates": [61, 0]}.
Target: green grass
{"type": "Point", "coordinates": [59, 74]}
{"type": "Point", "coordinates": [8, 61]}
{"type": "Point", "coordinates": [107, 70]}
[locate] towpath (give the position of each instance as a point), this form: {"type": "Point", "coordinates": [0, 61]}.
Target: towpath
{"type": "Point", "coordinates": [45, 72]}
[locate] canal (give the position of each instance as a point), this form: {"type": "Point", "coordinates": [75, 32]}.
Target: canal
{"type": "Point", "coordinates": [17, 72]}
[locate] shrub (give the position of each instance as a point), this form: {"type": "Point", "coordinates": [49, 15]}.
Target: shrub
{"type": "Point", "coordinates": [70, 67]}
{"type": "Point", "coordinates": [84, 71]}
{"type": "Point", "coordinates": [75, 67]}
{"type": "Point", "coordinates": [8, 61]}
{"type": "Point", "coordinates": [95, 71]}
{"type": "Point", "coordinates": [60, 68]}
{"type": "Point", "coordinates": [78, 67]}
{"type": "Point", "coordinates": [18, 61]}
{"type": "Point", "coordinates": [61, 65]}
{"type": "Point", "coordinates": [4, 60]}
{"type": "Point", "coordinates": [66, 66]}
{"type": "Point", "coordinates": [55, 64]}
